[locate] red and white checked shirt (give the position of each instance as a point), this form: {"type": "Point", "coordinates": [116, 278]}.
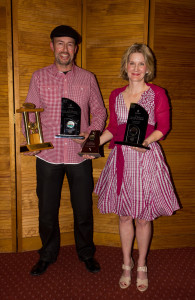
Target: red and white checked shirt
{"type": "Point", "coordinates": [47, 87]}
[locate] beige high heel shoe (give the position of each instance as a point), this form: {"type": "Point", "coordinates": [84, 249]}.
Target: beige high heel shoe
{"type": "Point", "coordinates": [142, 284]}
{"type": "Point", "coordinates": [125, 281]}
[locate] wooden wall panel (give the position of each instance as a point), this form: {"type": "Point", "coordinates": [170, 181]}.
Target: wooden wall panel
{"type": "Point", "coordinates": [109, 27]}
{"type": "Point", "coordinates": [172, 26]}
{"type": "Point", "coordinates": [7, 152]}
{"type": "Point", "coordinates": [31, 37]}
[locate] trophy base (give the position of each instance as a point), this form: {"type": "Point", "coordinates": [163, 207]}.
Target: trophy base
{"type": "Point", "coordinates": [65, 136]}
{"type": "Point", "coordinates": [36, 147]}
{"type": "Point", "coordinates": [132, 145]}
{"type": "Point", "coordinates": [96, 155]}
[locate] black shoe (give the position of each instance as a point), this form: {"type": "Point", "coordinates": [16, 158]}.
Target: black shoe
{"type": "Point", "coordinates": [40, 267]}
{"type": "Point", "coordinates": [92, 265]}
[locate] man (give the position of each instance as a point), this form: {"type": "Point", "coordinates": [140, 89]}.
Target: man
{"type": "Point", "coordinates": [48, 86]}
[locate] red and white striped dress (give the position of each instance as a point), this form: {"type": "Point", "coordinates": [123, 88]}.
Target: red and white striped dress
{"type": "Point", "coordinates": [146, 191]}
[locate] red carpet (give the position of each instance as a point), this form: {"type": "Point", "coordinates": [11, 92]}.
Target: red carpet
{"type": "Point", "coordinates": [171, 275]}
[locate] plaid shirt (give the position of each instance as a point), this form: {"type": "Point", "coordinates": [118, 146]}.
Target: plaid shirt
{"type": "Point", "coordinates": [46, 89]}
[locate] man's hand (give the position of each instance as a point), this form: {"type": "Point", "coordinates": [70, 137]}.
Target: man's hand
{"type": "Point", "coordinates": [31, 153]}
{"type": "Point", "coordinates": [78, 141]}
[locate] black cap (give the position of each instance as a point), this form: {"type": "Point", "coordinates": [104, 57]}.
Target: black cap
{"type": "Point", "coordinates": [64, 30]}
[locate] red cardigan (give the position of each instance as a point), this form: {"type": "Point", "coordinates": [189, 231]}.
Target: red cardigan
{"type": "Point", "coordinates": [161, 112]}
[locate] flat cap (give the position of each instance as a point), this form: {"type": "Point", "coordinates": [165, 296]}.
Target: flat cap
{"type": "Point", "coordinates": [65, 30]}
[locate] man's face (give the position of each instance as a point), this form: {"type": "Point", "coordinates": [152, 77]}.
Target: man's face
{"type": "Point", "coordinates": [64, 49]}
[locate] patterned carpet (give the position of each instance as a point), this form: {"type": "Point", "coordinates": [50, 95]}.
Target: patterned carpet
{"type": "Point", "coordinates": [171, 276]}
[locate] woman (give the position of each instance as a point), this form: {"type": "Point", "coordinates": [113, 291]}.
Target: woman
{"type": "Point", "coordinates": [135, 183]}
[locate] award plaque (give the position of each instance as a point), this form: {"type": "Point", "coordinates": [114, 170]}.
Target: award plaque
{"type": "Point", "coordinates": [136, 127]}
{"type": "Point", "coordinates": [33, 131]}
{"type": "Point", "coordinates": [91, 145]}
{"type": "Point", "coordinates": [70, 120]}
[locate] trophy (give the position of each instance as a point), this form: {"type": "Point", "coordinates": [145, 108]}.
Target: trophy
{"type": "Point", "coordinates": [91, 145]}
{"type": "Point", "coordinates": [70, 120]}
{"type": "Point", "coordinates": [136, 127]}
{"type": "Point", "coordinates": [33, 131]}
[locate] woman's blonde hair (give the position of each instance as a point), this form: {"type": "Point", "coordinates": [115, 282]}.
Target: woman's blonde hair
{"type": "Point", "coordinates": [148, 57]}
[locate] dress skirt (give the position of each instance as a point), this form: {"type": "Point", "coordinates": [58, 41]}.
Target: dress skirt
{"type": "Point", "coordinates": [146, 190]}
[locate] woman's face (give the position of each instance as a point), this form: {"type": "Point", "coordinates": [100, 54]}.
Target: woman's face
{"type": "Point", "coordinates": [136, 67]}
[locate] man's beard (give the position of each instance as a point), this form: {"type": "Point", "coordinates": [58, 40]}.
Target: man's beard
{"type": "Point", "coordinates": [63, 63]}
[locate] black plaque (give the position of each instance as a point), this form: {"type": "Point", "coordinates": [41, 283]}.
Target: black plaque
{"type": "Point", "coordinates": [91, 145]}
{"type": "Point", "coordinates": [70, 120]}
{"type": "Point", "coordinates": [136, 127]}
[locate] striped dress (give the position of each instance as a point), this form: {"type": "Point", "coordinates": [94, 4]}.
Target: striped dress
{"type": "Point", "coordinates": [146, 191]}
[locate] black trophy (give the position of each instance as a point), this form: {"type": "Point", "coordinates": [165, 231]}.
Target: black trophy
{"type": "Point", "coordinates": [70, 120]}
{"type": "Point", "coordinates": [136, 127]}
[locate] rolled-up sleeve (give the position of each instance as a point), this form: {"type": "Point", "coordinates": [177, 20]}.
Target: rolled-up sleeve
{"type": "Point", "coordinates": [97, 108]}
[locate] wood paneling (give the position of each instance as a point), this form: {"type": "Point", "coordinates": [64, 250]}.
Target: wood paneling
{"type": "Point", "coordinates": [7, 152]}
{"type": "Point", "coordinates": [108, 28]}
{"type": "Point", "coordinates": [172, 26]}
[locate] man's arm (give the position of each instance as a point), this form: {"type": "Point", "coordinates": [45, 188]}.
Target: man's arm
{"type": "Point", "coordinates": [97, 108]}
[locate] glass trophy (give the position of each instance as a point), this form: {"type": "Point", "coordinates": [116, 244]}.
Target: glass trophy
{"type": "Point", "coordinates": [70, 120]}
{"type": "Point", "coordinates": [136, 127]}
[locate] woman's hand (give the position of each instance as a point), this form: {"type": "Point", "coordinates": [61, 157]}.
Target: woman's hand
{"type": "Point", "coordinates": [142, 150]}
{"type": "Point", "coordinates": [154, 137]}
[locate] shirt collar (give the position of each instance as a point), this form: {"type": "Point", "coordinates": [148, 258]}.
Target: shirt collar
{"type": "Point", "coordinates": [55, 70]}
